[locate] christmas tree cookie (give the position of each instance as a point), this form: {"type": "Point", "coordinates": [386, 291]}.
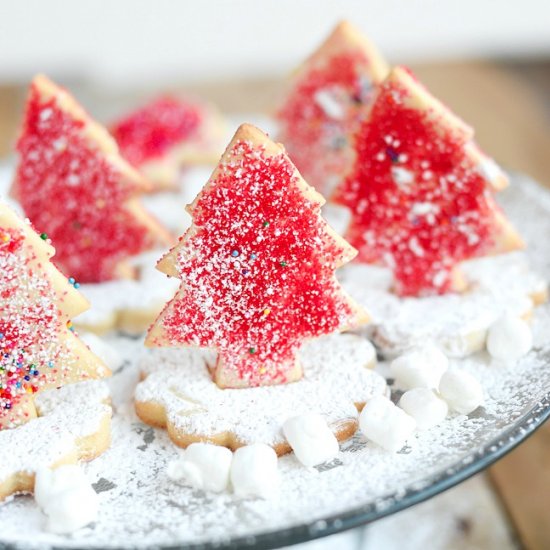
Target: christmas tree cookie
{"type": "Point", "coordinates": [73, 184]}
{"type": "Point", "coordinates": [166, 134]}
{"type": "Point", "coordinates": [325, 100]}
{"type": "Point", "coordinates": [38, 349]}
{"type": "Point", "coordinates": [421, 191]}
{"type": "Point", "coordinates": [257, 268]}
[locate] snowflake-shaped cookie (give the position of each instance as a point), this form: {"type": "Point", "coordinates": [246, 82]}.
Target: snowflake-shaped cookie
{"type": "Point", "coordinates": [178, 394]}
{"type": "Point", "coordinates": [73, 424]}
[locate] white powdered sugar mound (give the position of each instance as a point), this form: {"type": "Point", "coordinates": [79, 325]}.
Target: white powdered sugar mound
{"type": "Point", "coordinates": [65, 415]}
{"type": "Point", "coordinates": [140, 507]}
{"type": "Point", "coordinates": [335, 377]}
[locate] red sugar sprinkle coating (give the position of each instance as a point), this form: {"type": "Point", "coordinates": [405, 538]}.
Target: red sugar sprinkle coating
{"type": "Point", "coordinates": [419, 203]}
{"type": "Point", "coordinates": [70, 189]}
{"type": "Point", "coordinates": [257, 268]}
{"type": "Point", "coordinates": [152, 130]}
{"type": "Point", "coordinates": [31, 356]}
{"type": "Point", "coordinates": [321, 113]}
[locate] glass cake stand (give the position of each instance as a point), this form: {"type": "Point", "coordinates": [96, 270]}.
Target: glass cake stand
{"type": "Point", "coordinates": [392, 503]}
{"type": "Point", "coordinates": [141, 509]}
{"type": "Point", "coordinates": [471, 463]}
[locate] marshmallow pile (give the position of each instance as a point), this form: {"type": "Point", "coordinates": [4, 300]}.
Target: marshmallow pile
{"type": "Point", "coordinates": [66, 498]}
{"type": "Point", "coordinates": [254, 471]}
{"type": "Point", "coordinates": [431, 389]}
{"type": "Point", "coordinates": [420, 367]}
{"type": "Point", "coordinates": [385, 424]}
{"type": "Point", "coordinates": [251, 470]}
{"type": "Point", "coordinates": [203, 466]}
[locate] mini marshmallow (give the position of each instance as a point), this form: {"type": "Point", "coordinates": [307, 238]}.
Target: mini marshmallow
{"type": "Point", "coordinates": [385, 424]}
{"type": "Point", "coordinates": [254, 471]}
{"type": "Point", "coordinates": [424, 406]}
{"type": "Point", "coordinates": [107, 353]}
{"type": "Point", "coordinates": [461, 391]}
{"type": "Point", "coordinates": [420, 367]}
{"type": "Point", "coordinates": [311, 439]}
{"type": "Point", "coordinates": [203, 466]}
{"type": "Point", "coordinates": [66, 498]}
{"type": "Point", "coordinates": [509, 338]}
{"type": "Point", "coordinates": [49, 482]}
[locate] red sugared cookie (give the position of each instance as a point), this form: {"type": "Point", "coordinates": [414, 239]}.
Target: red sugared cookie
{"type": "Point", "coordinates": [257, 268]}
{"type": "Point", "coordinates": [324, 103]}
{"type": "Point", "coordinates": [166, 134]}
{"type": "Point", "coordinates": [37, 348]}
{"type": "Point", "coordinates": [421, 191]}
{"type": "Point", "coordinates": [74, 185]}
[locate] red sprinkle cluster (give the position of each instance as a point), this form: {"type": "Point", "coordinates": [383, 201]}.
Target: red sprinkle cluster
{"type": "Point", "coordinates": [257, 270]}
{"type": "Point", "coordinates": [70, 189]}
{"type": "Point", "coordinates": [317, 141]}
{"type": "Point", "coordinates": [419, 203]}
{"type": "Point", "coordinates": [152, 130]}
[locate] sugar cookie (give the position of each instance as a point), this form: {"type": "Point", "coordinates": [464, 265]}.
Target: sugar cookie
{"type": "Point", "coordinates": [38, 349]}
{"type": "Point", "coordinates": [72, 183]}
{"type": "Point", "coordinates": [257, 268]}
{"type": "Point", "coordinates": [420, 195]}
{"type": "Point", "coordinates": [324, 103]}
{"type": "Point", "coordinates": [162, 136]}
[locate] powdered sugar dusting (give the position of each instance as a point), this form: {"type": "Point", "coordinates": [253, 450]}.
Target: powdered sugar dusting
{"type": "Point", "coordinates": [65, 415]}
{"type": "Point", "coordinates": [141, 507]}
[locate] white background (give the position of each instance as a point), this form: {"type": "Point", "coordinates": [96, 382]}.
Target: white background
{"type": "Point", "coordinates": [125, 41]}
